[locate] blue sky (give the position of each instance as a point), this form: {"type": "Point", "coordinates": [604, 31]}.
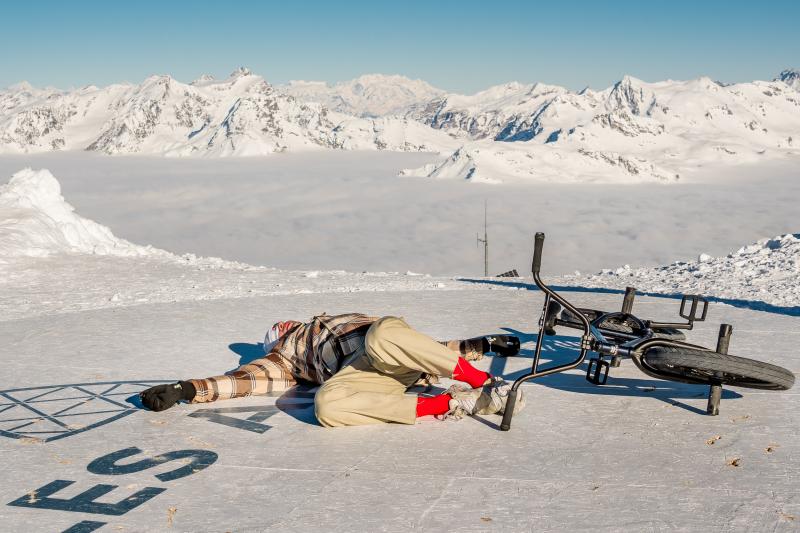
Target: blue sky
{"type": "Point", "coordinates": [459, 46]}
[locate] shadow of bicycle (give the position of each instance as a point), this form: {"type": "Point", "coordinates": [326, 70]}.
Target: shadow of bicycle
{"type": "Point", "coordinates": [560, 349]}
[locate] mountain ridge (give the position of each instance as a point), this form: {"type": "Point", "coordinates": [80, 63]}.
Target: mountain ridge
{"type": "Point", "coordinates": [240, 115]}
{"type": "Point", "coordinates": [631, 131]}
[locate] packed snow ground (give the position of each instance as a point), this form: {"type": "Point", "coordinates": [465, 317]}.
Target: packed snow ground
{"type": "Point", "coordinates": [87, 323]}
{"type": "Point", "coordinates": [636, 454]}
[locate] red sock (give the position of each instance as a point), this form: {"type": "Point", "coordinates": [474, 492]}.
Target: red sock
{"type": "Point", "coordinates": [469, 374]}
{"type": "Point", "coordinates": [436, 405]}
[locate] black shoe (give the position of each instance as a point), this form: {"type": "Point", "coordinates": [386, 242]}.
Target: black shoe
{"type": "Point", "coordinates": [502, 345]}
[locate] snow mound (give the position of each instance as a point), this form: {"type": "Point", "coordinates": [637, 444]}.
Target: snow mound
{"type": "Point", "coordinates": [766, 271]}
{"type": "Point", "coordinates": [35, 220]}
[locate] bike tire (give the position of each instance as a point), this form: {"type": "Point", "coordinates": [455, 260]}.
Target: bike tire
{"type": "Point", "coordinates": [706, 367]}
{"type": "Point", "coordinates": [616, 325]}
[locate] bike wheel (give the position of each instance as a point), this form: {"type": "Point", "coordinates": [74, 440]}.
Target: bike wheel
{"type": "Point", "coordinates": [623, 326]}
{"type": "Point", "coordinates": [699, 366]}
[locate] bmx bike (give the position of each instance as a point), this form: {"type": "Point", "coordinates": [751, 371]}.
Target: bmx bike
{"type": "Point", "coordinates": [657, 348]}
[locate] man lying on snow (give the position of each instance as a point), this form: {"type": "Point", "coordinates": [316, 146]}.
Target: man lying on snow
{"type": "Point", "coordinates": [364, 366]}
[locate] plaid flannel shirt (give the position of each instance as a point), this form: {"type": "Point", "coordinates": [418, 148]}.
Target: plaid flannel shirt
{"type": "Point", "coordinates": [313, 352]}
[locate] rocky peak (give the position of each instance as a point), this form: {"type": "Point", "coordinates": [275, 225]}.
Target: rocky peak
{"type": "Point", "coordinates": [239, 72]}
{"type": "Point", "coordinates": [790, 76]}
{"type": "Point", "coordinates": [630, 94]}
{"type": "Point", "coordinates": [204, 78]}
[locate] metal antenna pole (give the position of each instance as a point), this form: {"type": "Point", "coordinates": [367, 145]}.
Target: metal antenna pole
{"type": "Point", "coordinates": [485, 241]}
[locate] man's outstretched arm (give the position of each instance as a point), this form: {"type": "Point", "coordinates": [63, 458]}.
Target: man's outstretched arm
{"type": "Point", "coordinates": [261, 376]}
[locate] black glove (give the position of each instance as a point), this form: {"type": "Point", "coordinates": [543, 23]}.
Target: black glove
{"type": "Point", "coordinates": [165, 396]}
{"type": "Point", "coordinates": [503, 345]}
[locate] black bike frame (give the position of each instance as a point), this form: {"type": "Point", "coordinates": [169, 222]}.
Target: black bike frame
{"type": "Point", "coordinates": [593, 339]}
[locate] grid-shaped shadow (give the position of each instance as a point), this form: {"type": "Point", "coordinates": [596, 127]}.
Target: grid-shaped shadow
{"type": "Point", "coordinates": [55, 412]}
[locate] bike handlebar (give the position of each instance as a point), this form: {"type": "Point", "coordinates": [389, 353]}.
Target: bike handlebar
{"type": "Point", "coordinates": [537, 252]}
{"type": "Point", "coordinates": [511, 401]}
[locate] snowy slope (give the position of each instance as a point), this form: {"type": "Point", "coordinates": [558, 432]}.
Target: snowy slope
{"type": "Point", "coordinates": [371, 95]}
{"type": "Point", "coordinates": [242, 115]}
{"type": "Point", "coordinates": [766, 271]}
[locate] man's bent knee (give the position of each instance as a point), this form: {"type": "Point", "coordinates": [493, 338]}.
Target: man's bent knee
{"type": "Point", "coordinates": [327, 407]}
{"type": "Point", "coordinates": [381, 330]}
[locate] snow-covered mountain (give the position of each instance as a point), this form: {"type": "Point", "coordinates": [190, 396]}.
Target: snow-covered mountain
{"type": "Point", "coordinates": [631, 131]}
{"type": "Point", "coordinates": [548, 113]}
{"type": "Point", "coordinates": [503, 112]}
{"type": "Point", "coordinates": [371, 95]}
{"type": "Point", "coordinates": [241, 115]}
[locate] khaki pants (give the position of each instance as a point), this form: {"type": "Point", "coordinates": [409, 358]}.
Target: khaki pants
{"type": "Point", "coordinates": [371, 388]}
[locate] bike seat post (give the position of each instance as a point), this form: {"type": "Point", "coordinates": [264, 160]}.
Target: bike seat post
{"type": "Point", "coordinates": [627, 302]}
{"type": "Point", "coordinates": [627, 308]}
{"type": "Point", "coordinates": [715, 391]}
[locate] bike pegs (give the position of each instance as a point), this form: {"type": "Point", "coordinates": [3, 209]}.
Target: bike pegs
{"type": "Point", "coordinates": [597, 371]}
{"type": "Point", "coordinates": [691, 301]}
